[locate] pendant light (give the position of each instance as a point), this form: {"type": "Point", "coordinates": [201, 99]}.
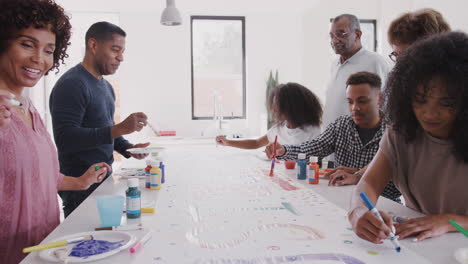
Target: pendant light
{"type": "Point", "coordinates": [171, 16]}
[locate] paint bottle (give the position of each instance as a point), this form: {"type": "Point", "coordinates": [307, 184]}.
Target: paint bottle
{"type": "Point", "coordinates": [323, 166]}
{"type": "Point", "coordinates": [330, 166]}
{"type": "Point", "coordinates": [133, 199]}
{"type": "Point", "coordinates": [313, 170]}
{"type": "Point", "coordinates": [161, 167]}
{"type": "Point", "coordinates": [155, 176]}
{"type": "Point", "coordinates": [301, 166]}
{"type": "Point", "coordinates": [159, 161]}
{"type": "Point", "coordinates": [147, 174]}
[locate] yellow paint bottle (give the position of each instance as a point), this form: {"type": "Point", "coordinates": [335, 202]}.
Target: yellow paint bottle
{"type": "Point", "coordinates": [155, 176]}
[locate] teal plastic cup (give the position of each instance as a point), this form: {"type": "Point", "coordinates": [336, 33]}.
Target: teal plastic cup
{"type": "Point", "coordinates": [110, 209]}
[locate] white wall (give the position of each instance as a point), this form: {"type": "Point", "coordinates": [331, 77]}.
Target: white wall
{"type": "Point", "coordinates": [155, 75]}
{"type": "Point", "coordinates": [166, 66]}
{"type": "Point", "coordinates": [291, 36]}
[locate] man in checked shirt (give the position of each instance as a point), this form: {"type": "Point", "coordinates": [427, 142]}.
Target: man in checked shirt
{"type": "Point", "coordinates": [353, 138]}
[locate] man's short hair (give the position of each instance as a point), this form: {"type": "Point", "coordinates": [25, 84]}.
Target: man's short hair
{"type": "Point", "coordinates": [102, 31]}
{"type": "Point", "coordinates": [354, 21]}
{"type": "Point", "coordinates": [372, 79]}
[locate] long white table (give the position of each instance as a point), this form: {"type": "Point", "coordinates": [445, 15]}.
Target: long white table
{"type": "Point", "coordinates": [214, 193]}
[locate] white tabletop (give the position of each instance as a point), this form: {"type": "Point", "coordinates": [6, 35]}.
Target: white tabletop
{"type": "Point", "coordinates": [203, 180]}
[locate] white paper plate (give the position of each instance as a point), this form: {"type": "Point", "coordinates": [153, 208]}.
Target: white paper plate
{"type": "Point", "coordinates": [110, 236]}
{"type": "Point", "coordinates": [147, 150]}
{"type": "Point", "coordinates": [461, 255]}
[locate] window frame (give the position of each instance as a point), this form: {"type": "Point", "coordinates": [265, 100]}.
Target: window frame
{"type": "Point", "coordinates": [244, 77]}
{"type": "Point", "coordinates": [374, 22]}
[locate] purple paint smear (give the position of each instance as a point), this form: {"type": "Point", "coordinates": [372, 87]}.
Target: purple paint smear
{"type": "Point", "coordinates": [339, 258]}
{"type": "Point", "coordinates": [90, 248]}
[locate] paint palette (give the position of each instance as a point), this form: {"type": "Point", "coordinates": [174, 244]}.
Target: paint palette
{"type": "Point", "coordinates": [103, 245]}
{"type": "Point", "coordinates": [131, 172]}
{"type": "Point", "coordinates": [147, 150]}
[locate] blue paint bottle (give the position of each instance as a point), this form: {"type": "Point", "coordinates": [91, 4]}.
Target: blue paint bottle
{"type": "Point", "coordinates": [161, 166]}
{"type": "Point", "coordinates": [133, 199]}
{"type": "Point", "coordinates": [301, 166]}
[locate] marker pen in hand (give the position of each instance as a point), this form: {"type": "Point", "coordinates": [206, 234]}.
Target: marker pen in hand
{"type": "Point", "coordinates": [141, 243]}
{"type": "Point", "coordinates": [15, 102]}
{"type": "Point", "coordinates": [374, 210]}
{"type": "Point", "coordinates": [96, 168]}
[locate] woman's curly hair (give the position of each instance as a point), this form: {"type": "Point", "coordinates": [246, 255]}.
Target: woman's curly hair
{"type": "Point", "coordinates": [298, 104]}
{"type": "Point", "coordinates": [16, 15]}
{"type": "Point", "coordinates": [444, 56]}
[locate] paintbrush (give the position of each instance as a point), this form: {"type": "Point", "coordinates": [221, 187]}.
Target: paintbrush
{"type": "Point", "coordinates": [154, 129]}
{"type": "Point", "coordinates": [56, 244]}
{"type": "Point", "coordinates": [121, 228]}
{"type": "Point", "coordinates": [273, 155]}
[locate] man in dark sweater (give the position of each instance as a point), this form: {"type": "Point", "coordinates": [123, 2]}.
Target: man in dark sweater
{"type": "Point", "coordinates": [82, 105]}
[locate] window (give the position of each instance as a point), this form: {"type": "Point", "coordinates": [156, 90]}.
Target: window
{"type": "Point", "coordinates": [369, 33]}
{"type": "Point", "coordinates": [218, 67]}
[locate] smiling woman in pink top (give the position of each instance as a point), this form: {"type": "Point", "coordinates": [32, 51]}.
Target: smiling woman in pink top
{"type": "Point", "coordinates": [34, 38]}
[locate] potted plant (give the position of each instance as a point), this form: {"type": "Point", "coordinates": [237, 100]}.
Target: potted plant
{"type": "Point", "coordinates": [271, 83]}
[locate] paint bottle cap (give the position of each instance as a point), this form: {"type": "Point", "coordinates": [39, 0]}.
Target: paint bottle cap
{"type": "Point", "coordinates": [313, 159]}
{"type": "Point", "coordinates": [133, 182]}
{"type": "Point", "coordinates": [301, 156]}
{"type": "Point", "coordinates": [148, 162]}
{"type": "Point", "coordinates": [154, 163]}
{"type": "Point", "coordinates": [324, 163]}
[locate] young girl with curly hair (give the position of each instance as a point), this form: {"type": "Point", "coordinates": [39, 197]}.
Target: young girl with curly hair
{"type": "Point", "coordinates": [297, 112]}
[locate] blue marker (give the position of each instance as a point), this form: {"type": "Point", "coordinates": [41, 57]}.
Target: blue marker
{"type": "Point", "coordinates": [374, 210]}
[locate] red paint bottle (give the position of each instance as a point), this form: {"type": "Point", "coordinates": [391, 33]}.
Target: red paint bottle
{"type": "Point", "coordinates": [147, 174]}
{"type": "Point", "coordinates": [313, 172]}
